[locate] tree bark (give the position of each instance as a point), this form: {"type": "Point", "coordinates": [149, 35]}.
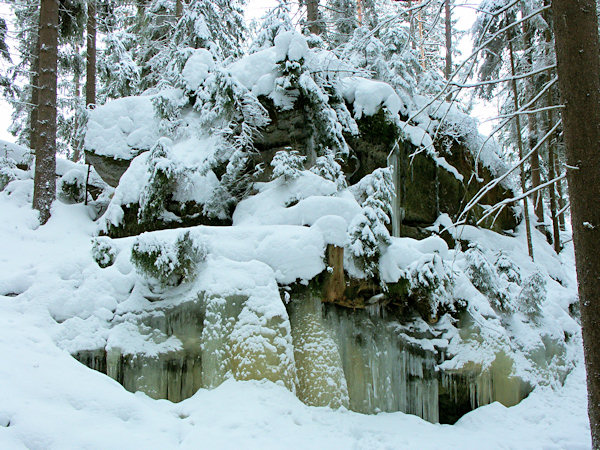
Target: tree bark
{"type": "Point", "coordinates": [44, 187]}
{"type": "Point", "coordinates": [561, 197]}
{"type": "Point", "coordinates": [35, 91]}
{"type": "Point", "coordinates": [90, 81]}
{"type": "Point", "coordinates": [178, 8]}
{"type": "Point", "coordinates": [76, 143]}
{"type": "Point", "coordinates": [448, 24]}
{"type": "Point", "coordinates": [536, 178]}
{"type": "Point", "coordinates": [520, 146]}
{"type": "Point", "coordinates": [578, 65]}
{"type": "Point", "coordinates": [312, 16]}
{"type": "Point", "coordinates": [359, 12]}
{"type": "Point", "coordinates": [552, 176]}
{"type": "Point", "coordinates": [550, 142]}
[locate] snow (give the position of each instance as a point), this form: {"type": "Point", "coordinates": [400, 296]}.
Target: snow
{"type": "Point", "coordinates": [54, 299]}
{"type": "Point", "coordinates": [197, 68]}
{"type": "Point", "coordinates": [290, 45]}
{"type": "Point", "coordinates": [314, 197]}
{"type": "Point", "coordinates": [368, 96]}
{"type": "Point", "coordinates": [122, 128]}
{"type": "Point", "coordinates": [18, 153]}
{"type": "Point", "coordinates": [50, 400]}
{"type": "Point", "coordinates": [254, 71]}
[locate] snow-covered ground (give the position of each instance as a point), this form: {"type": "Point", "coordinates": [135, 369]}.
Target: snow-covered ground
{"type": "Point", "coordinates": [48, 400]}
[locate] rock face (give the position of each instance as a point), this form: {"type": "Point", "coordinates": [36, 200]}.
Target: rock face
{"type": "Point", "coordinates": [425, 188]}
{"type": "Point", "coordinates": [109, 169]}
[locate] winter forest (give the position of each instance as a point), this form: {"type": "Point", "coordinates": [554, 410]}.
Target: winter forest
{"type": "Point", "coordinates": [299, 224]}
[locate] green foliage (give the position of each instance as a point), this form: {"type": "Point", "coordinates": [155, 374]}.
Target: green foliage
{"type": "Point", "coordinates": [507, 268]}
{"type": "Point", "coordinates": [160, 186]}
{"type": "Point", "coordinates": [72, 186]}
{"type": "Point", "coordinates": [327, 167]}
{"type": "Point", "coordinates": [532, 295]}
{"type": "Point", "coordinates": [368, 231]}
{"type": "Point", "coordinates": [484, 277]}
{"type": "Point", "coordinates": [7, 171]}
{"type": "Point", "coordinates": [165, 263]}
{"type": "Point", "coordinates": [430, 286]}
{"type": "Point", "coordinates": [287, 164]}
{"type": "Point", "coordinates": [103, 252]}
{"type": "Point", "coordinates": [168, 105]}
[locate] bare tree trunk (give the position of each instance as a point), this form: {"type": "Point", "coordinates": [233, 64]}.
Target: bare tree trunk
{"type": "Point", "coordinates": [312, 16]}
{"type": "Point", "coordinates": [448, 23]}
{"type": "Point", "coordinates": [550, 141]}
{"type": "Point", "coordinates": [44, 185]}
{"type": "Point", "coordinates": [35, 91]}
{"type": "Point", "coordinates": [359, 12]}
{"type": "Point", "coordinates": [90, 82]}
{"type": "Point", "coordinates": [76, 156]}
{"type": "Point", "coordinates": [561, 197]}
{"type": "Point", "coordinates": [578, 65]}
{"type": "Point", "coordinates": [552, 176]}
{"type": "Point", "coordinates": [536, 178]}
{"type": "Point", "coordinates": [520, 146]}
{"type": "Point", "coordinates": [178, 8]}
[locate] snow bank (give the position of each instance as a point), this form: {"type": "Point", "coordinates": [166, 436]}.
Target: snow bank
{"type": "Point", "coordinates": [368, 96]}
{"type": "Point", "coordinates": [197, 68]}
{"type": "Point", "coordinates": [122, 128]}
{"type": "Point", "coordinates": [18, 153]}
{"type": "Point", "coordinates": [55, 299]}
{"type": "Point", "coordinates": [302, 201]}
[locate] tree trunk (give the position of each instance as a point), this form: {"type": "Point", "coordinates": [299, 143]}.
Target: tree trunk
{"type": "Point", "coordinates": [578, 65]}
{"type": "Point", "coordinates": [35, 91]}
{"type": "Point", "coordinates": [550, 141]}
{"type": "Point", "coordinates": [359, 12]}
{"type": "Point", "coordinates": [552, 175]}
{"type": "Point", "coordinates": [90, 81]}
{"type": "Point", "coordinates": [44, 186]}
{"type": "Point", "coordinates": [312, 16]}
{"type": "Point", "coordinates": [520, 146]}
{"type": "Point", "coordinates": [536, 178]}
{"type": "Point", "coordinates": [561, 197]}
{"type": "Point", "coordinates": [178, 9]}
{"type": "Point", "coordinates": [76, 143]}
{"type": "Point", "coordinates": [448, 23]}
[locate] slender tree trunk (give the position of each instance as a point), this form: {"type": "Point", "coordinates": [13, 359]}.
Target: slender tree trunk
{"type": "Point", "coordinates": [552, 175]}
{"type": "Point", "coordinates": [561, 197]}
{"type": "Point", "coordinates": [536, 176]}
{"type": "Point", "coordinates": [520, 146]}
{"type": "Point", "coordinates": [44, 186]}
{"type": "Point", "coordinates": [550, 141]}
{"type": "Point", "coordinates": [35, 91]}
{"type": "Point", "coordinates": [90, 82]}
{"type": "Point", "coordinates": [578, 65]}
{"type": "Point", "coordinates": [76, 156]}
{"type": "Point", "coordinates": [359, 12]}
{"type": "Point", "coordinates": [178, 8]}
{"type": "Point", "coordinates": [312, 16]}
{"type": "Point", "coordinates": [448, 23]}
